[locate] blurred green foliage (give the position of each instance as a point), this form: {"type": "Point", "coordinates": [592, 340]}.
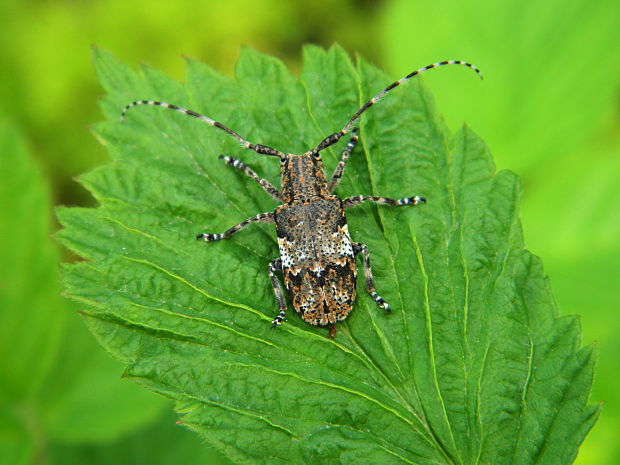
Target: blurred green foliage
{"type": "Point", "coordinates": [548, 109]}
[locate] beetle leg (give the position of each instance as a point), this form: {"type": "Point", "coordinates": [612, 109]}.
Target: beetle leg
{"type": "Point", "coordinates": [276, 265]}
{"type": "Point", "coordinates": [335, 180]}
{"type": "Point", "coordinates": [272, 191]}
{"type": "Point", "coordinates": [353, 201]}
{"type": "Point", "coordinates": [262, 217]}
{"type": "Point", "coordinates": [370, 282]}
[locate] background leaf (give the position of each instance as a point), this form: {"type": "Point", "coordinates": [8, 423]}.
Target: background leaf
{"type": "Point", "coordinates": [56, 386]}
{"type": "Point", "coordinates": [474, 365]}
{"type": "Point", "coordinates": [530, 109]}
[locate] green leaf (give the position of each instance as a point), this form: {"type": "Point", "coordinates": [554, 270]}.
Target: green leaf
{"type": "Point", "coordinates": [538, 112]}
{"type": "Point", "coordinates": [473, 366]}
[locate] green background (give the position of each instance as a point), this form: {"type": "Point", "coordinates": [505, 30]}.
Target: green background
{"type": "Point", "coordinates": [548, 108]}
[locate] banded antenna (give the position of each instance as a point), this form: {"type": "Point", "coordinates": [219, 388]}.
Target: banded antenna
{"type": "Point", "coordinates": [329, 140]}
{"type": "Point", "coordinates": [262, 149]}
{"type": "Point", "coordinates": [333, 138]}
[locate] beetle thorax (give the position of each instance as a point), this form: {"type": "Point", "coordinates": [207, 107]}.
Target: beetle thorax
{"type": "Point", "coordinates": [302, 177]}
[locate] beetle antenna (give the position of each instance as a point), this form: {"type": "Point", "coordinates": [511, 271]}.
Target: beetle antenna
{"type": "Point", "coordinates": [262, 149]}
{"type": "Point", "coordinates": [333, 138]}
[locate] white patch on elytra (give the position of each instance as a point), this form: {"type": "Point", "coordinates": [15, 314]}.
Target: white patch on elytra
{"type": "Point", "coordinates": [287, 259]}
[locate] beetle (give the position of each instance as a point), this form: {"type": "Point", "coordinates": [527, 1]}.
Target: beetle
{"type": "Point", "coordinates": [317, 255]}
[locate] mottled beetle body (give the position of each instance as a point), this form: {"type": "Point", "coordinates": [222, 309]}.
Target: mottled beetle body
{"type": "Point", "coordinates": [316, 252]}
{"type": "Point", "coordinates": [317, 255]}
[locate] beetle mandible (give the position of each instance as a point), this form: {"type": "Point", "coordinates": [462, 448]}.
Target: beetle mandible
{"type": "Point", "coordinates": [317, 255]}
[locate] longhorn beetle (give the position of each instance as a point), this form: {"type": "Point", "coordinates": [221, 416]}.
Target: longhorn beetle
{"type": "Point", "coordinates": [317, 256]}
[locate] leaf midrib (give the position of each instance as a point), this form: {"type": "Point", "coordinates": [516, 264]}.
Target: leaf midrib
{"type": "Point", "coordinates": [369, 362]}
